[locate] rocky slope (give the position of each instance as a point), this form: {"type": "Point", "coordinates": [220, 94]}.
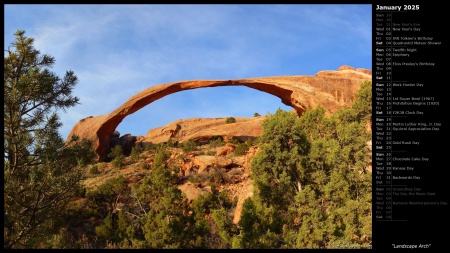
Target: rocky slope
{"type": "Point", "coordinates": [200, 171]}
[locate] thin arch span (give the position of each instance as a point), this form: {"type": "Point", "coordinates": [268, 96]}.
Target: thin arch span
{"type": "Point", "coordinates": [331, 89]}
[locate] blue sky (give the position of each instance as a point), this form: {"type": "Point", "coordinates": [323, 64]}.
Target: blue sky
{"type": "Point", "coordinates": [117, 51]}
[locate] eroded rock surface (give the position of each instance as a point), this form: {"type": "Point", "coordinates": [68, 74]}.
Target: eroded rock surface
{"type": "Point", "coordinates": [202, 129]}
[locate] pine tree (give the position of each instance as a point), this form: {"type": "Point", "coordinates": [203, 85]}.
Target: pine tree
{"type": "Point", "coordinates": [334, 209]}
{"type": "Point", "coordinates": [312, 188]}
{"type": "Point", "coordinates": [41, 171]}
{"type": "Point", "coordinates": [167, 223]}
{"type": "Point", "coordinates": [278, 173]}
{"type": "Point", "coordinates": [117, 156]}
{"type": "Point", "coordinates": [278, 168]}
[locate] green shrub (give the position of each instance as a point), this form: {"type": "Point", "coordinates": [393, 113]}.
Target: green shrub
{"type": "Point", "coordinates": [155, 147]}
{"type": "Point", "coordinates": [213, 177]}
{"type": "Point", "coordinates": [256, 114]}
{"type": "Point", "coordinates": [230, 120]}
{"type": "Point", "coordinates": [211, 153]}
{"type": "Point", "coordinates": [235, 171]}
{"type": "Point", "coordinates": [181, 157]}
{"type": "Point", "coordinates": [189, 146]}
{"type": "Point", "coordinates": [234, 141]}
{"type": "Point", "coordinates": [80, 191]}
{"type": "Point", "coordinates": [216, 142]}
{"type": "Point", "coordinates": [200, 178]}
{"type": "Point", "coordinates": [117, 155]}
{"type": "Point", "coordinates": [115, 152]}
{"type": "Point", "coordinates": [216, 176]}
{"type": "Point", "coordinates": [101, 165]}
{"type": "Point", "coordinates": [94, 169]}
{"type": "Point", "coordinates": [251, 142]}
{"type": "Point", "coordinates": [118, 162]}
{"type": "Point", "coordinates": [241, 148]}
{"type": "Point", "coordinates": [145, 166]}
{"type": "Point", "coordinates": [148, 147]}
{"type": "Point", "coordinates": [135, 152]}
{"type": "Point", "coordinates": [171, 143]}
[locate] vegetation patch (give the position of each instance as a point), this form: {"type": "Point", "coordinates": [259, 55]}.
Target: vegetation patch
{"type": "Point", "coordinates": [230, 120]}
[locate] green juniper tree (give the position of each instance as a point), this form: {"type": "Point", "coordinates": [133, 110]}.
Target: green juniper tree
{"type": "Point", "coordinates": [167, 222]}
{"type": "Point", "coordinates": [136, 152]}
{"type": "Point", "coordinates": [312, 188]}
{"type": "Point", "coordinates": [117, 156]}
{"type": "Point", "coordinates": [334, 208]}
{"type": "Point", "coordinates": [278, 174]}
{"type": "Point", "coordinates": [41, 171]}
{"type": "Point", "coordinates": [278, 169]}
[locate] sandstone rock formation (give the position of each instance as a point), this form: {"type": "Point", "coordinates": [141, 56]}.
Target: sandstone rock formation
{"type": "Point", "coordinates": [331, 89]}
{"type": "Point", "coordinates": [202, 129]}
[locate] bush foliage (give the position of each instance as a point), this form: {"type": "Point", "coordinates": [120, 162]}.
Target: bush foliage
{"type": "Point", "coordinates": [230, 120]}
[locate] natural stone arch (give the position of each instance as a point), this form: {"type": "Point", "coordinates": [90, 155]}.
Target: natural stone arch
{"type": "Point", "coordinates": [331, 89]}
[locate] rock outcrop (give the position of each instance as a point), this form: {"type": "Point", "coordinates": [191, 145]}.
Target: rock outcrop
{"type": "Point", "coordinates": [331, 89]}
{"type": "Point", "coordinates": [202, 129]}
